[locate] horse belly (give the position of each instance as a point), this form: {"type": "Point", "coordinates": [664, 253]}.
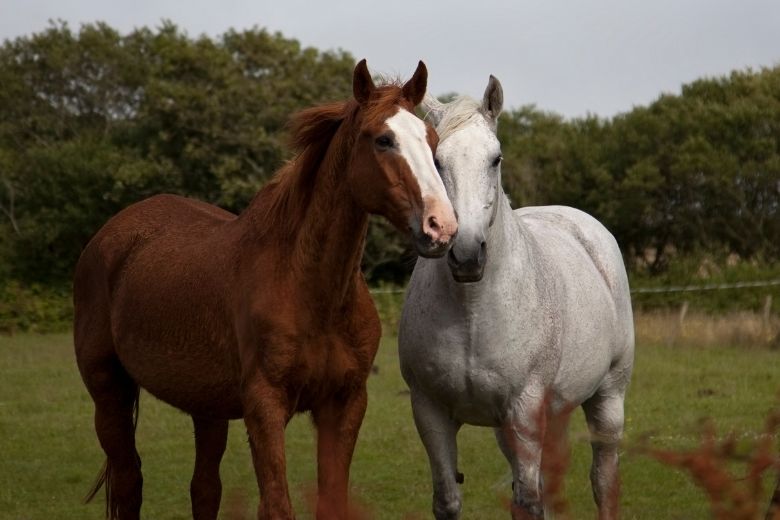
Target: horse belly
{"type": "Point", "coordinates": [197, 379]}
{"type": "Point", "coordinates": [173, 335]}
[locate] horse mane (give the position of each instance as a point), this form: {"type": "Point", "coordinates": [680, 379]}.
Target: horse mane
{"type": "Point", "coordinates": [456, 114]}
{"type": "Point", "coordinates": [282, 203]}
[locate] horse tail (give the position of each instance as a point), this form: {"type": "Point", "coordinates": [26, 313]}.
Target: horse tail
{"type": "Point", "coordinates": [105, 475]}
{"type": "Point", "coordinates": [101, 479]}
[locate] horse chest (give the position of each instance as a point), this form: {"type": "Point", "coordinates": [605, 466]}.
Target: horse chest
{"type": "Point", "coordinates": [477, 361]}
{"type": "Point", "coordinates": [328, 358]}
{"type": "Point", "coordinates": [324, 366]}
{"type": "Point", "coordinates": [312, 359]}
{"type": "Point", "coordinates": [473, 373]}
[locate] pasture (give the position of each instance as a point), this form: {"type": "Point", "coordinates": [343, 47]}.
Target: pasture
{"type": "Point", "coordinates": [49, 455]}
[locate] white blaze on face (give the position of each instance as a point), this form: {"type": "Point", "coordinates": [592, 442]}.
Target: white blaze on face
{"type": "Point", "coordinates": [410, 138]}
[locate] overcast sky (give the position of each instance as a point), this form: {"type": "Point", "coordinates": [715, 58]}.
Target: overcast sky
{"type": "Point", "coordinates": [573, 57]}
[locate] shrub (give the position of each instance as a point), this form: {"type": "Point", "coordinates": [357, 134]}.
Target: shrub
{"type": "Point", "coordinates": [34, 308]}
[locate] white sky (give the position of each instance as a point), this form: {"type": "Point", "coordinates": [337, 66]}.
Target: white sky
{"type": "Point", "coordinates": [570, 57]}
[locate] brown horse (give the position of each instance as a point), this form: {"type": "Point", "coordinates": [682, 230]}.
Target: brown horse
{"type": "Point", "coordinates": [262, 315]}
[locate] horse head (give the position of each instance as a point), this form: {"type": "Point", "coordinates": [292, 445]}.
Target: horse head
{"type": "Point", "coordinates": [392, 172]}
{"type": "Point", "coordinates": [468, 158]}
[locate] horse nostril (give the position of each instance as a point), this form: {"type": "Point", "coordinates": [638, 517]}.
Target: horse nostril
{"type": "Point", "coordinates": [433, 223]}
{"type": "Point", "coordinates": [482, 253]}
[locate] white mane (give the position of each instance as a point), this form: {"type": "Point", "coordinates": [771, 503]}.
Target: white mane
{"type": "Point", "coordinates": [453, 115]}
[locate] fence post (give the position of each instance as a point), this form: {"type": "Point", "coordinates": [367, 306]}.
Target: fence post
{"type": "Point", "coordinates": [766, 315]}
{"type": "Point", "coordinates": [678, 330]}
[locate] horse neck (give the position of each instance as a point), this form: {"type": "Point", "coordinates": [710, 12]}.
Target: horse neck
{"type": "Point", "coordinates": [509, 246]}
{"type": "Point", "coordinates": [503, 239]}
{"type": "Point", "coordinates": [328, 248]}
{"type": "Point", "coordinates": [322, 249]}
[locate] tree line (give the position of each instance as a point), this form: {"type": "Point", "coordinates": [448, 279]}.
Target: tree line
{"type": "Point", "coordinates": [699, 171]}
{"type": "Point", "coordinates": [93, 120]}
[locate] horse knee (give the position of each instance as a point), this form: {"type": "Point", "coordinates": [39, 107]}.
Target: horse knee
{"type": "Point", "coordinates": [527, 499]}
{"type": "Point", "coordinates": [527, 510]}
{"type": "Point", "coordinates": [605, 419]}
{"type": "Point", "coordinates": [446, 508]}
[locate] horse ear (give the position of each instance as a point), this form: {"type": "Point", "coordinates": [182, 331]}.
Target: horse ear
{"type": "Point", "coordinates": [414, 89]}
{"type": "Point", "coordinates": [493, 100]}
{"type": "Point", "coordinates": [362, 84]}
{"type": "Point", "coordinates": [433, 108]}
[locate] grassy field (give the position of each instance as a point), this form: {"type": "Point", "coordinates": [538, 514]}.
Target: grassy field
{"type": "Point", "coordinates": [49, 455]}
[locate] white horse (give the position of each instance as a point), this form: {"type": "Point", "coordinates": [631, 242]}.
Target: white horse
{"type": "Point", "coordinates": [530, 311]}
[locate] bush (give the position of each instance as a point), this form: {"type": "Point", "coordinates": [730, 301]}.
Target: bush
{"type": "Point", "coordinates": [34, 308]}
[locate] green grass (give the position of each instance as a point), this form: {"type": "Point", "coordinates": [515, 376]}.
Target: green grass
{"type": "Point", "coordinates": [49, 454]}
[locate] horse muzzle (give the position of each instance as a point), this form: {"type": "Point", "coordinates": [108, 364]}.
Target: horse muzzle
{"type": "Point", "coordinates": [429, 247]}
{"type": "Point", "coordinates": [437, 230]}
{"type": "Point", "coordinates": [467, 266]}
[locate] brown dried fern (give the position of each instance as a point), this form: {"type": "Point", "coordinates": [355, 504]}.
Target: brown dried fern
{"type": "Point", "coordinates": [730, 497]}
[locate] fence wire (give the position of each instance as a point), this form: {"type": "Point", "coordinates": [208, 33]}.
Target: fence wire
{"type": "Point", "coordinates": [704, 287]}
{"type": "Point", "coordinates": [648, 290]}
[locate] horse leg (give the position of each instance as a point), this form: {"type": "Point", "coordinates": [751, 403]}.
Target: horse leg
{"type": "Point", "coordinates": [116, 395]}
{"type": "Point", "coordinates": [438, 432]}
{"type": "Point", "coordinates": [206, 487]}
{"type": "Point", "coordinates": [338, 422]}
{"type": "Point", "coordinates": [266, 415]}
{"type": "Point", "coordinates": [604, 414]}
{"type": "Point", "coordinates": [520, 439]}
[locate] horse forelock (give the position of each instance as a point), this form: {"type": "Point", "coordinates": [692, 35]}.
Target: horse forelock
{"type": "Point", "coordinates": [460, 112]}
{"type": "Point", "coordinates": [384, 103]}
{"type": "Point", "coordinates": [317, 126]}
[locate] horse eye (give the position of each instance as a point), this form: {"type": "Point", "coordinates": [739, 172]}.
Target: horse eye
{"type": "Point", "coordinates": [497, 161]}
{"type": "Point", "coordinates": [384, 142]}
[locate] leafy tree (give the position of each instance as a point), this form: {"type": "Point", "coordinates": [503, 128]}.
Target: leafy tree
{"type": "Point", "coordinates": [693, 172]}
{"type": "Point", "coordinates": [94, 121]}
